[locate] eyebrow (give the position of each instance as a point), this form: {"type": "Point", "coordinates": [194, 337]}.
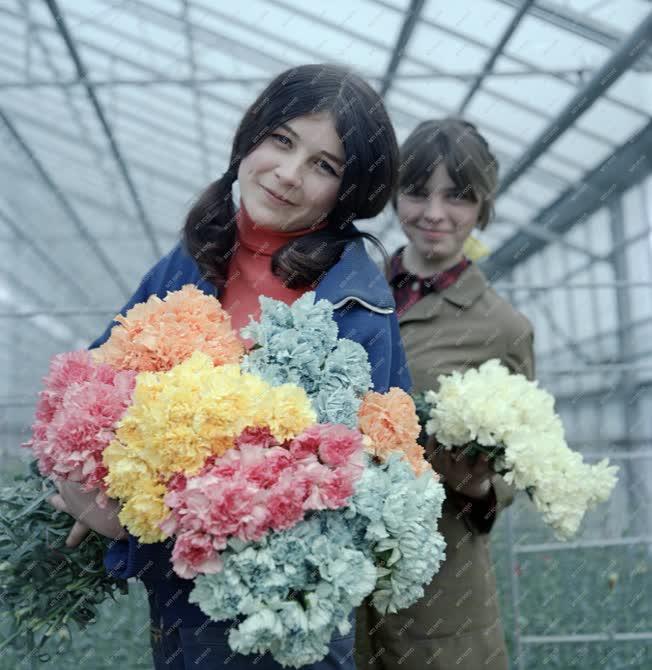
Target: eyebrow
{"type": "Point", "coordinates": [335, 159]}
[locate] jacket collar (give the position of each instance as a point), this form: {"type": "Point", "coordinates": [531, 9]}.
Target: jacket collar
{"type": "Point", "coordinates": [463, 294]}
{"type": "Point", "coordinates": [467, 289]}
{"type": "Point", "coordinates": [356, 277]}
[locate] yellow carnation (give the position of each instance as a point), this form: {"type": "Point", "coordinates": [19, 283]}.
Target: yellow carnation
{"type": "Point", "coordinates": [126, 473]}
{"type": "Point", "coordinates": [287, 411]}
{"type": "Point", "coordinates": [143, 513]}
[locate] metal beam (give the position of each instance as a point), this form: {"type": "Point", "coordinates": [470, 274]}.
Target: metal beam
{"type": "Point", "coordinates": [81, 227]}
{"type": "Point", "coordinates": [147, 168]}
{"type": "Point", "coordinates": [596, 395]}
{"type": "Point", "coordinates": [548, 236]}
{"type": "Point", "coordinates": [126, 60]}
{"type": "Point", "coordinates": [594, 340]}
{"type": "Point", "coordinates": [80, 197]}
{"type": "Point", "coordinates": [484, 123]}
{"type": "Point", "coordinates": [248, 53]}
{"type": "Point", "coordinates": [560, 282]}
{"type": "Point", "coordinates": [409, 23]}
{"type": "Point", "coordinates": [377, 44]}
{"type": "Point", "coordinates": [74, 111]}
{"type": "Point", "coordinates": [561, 333]}
{"type": "Point", "coordinates": [139, 115]}
{"type": "Point", "coordinates": [581, 25]}
{"type": "Point", "coordinates": [572, 287]}
{"type": "Point", "coordinates": [496, 52]}
{"type": "Point", "coordinates": [627, 54]}
{"type": "Point", "coordinates": [196, 80]}
{"type": "Point", "coordinates": [465, 37]}
{"type": "Point", "coordinates": [629, 165]}
{"type": "Point", "coordinates": [82, 73]}
{"type": "Point", "coordinates": [196, 93]}
{"type": "Point", "coordinates": [44, 258]}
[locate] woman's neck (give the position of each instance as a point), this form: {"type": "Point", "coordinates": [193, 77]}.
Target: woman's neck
{"type": "Point", "coordinates": [421, 266]}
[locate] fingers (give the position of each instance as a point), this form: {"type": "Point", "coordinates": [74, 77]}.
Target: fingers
{"type": "Point", "coordinates": [77, 533]}
{"type": "Point", "coordinates": [58, 503]}
{"type": "Point", "coordinates": [460, 454]}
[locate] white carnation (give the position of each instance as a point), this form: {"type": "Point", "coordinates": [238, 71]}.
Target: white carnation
{"type": "Point", "coordinates": [491, 406]}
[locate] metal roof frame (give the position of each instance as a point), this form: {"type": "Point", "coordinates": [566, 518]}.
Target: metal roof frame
{"type": "Point", "coordinates": [82, 73]}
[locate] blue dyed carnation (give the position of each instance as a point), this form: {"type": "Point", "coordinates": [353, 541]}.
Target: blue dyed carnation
{"type": "Point", "coordinates": [298, 344]}
{"type": "Point", "coordinates": [295, 588]}
{"type": "Point", "coordinates": [393, 517]}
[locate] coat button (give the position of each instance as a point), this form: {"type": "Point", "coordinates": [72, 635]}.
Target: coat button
{"type": "Point", "coordinates": [415, 285]}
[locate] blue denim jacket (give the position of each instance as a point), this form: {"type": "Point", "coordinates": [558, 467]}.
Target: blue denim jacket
{"type": "Point", "coordinates": [364, 312]}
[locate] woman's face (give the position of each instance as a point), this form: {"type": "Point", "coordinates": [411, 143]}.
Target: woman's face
{"type": "Point", "coordinates": [438, 218]}
{"type": "Point", "coordinates": [290, 181]}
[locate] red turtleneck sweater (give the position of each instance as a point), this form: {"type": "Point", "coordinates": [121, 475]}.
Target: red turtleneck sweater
{"type": "Point", "coordinates": [250, 271]}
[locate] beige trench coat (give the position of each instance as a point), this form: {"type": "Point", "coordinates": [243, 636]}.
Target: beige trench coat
{"type": "Point", "coordinates": [456, 625]}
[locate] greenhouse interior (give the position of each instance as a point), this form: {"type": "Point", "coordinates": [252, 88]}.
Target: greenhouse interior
{"type": "Point", "coordinates": [116, 114]}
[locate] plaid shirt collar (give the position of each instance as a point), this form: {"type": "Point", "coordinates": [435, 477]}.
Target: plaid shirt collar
{"type": "Point", "coordinates": [437, 282]}
{"type": "Point", "coordinates": [409, 288]}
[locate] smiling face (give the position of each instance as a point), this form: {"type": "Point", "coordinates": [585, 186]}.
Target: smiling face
{"type": "Point", "coordinates": [290, 181]}
{"type": "Point", "coordinates": [437, 218]}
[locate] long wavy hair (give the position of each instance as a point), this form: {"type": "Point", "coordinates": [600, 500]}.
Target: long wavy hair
{"type": "Point", "coordinates": [369, 178]}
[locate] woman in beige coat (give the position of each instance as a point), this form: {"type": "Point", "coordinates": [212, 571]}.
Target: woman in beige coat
{"type": "Point", "coordinates": [450, 319]}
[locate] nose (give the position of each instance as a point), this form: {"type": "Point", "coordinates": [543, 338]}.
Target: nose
{"type": "Point", "coordinates": [435, 210]}
{"type": "Point", "coordinates": [288, 172]}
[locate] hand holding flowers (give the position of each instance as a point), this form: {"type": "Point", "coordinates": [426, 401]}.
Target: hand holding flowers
{"type": "Point", "coordinates": [468, 475]}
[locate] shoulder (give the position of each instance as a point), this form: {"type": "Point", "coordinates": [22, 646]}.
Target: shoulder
{"type": "Point", "coordinates": [517, 335]}
{"type": "Point", "coordinates": [355, 277]}
{"type": "Point", "coordinates": [504, 312]}
{"type": "Point", "coordinates": [173, 271]}
{"type": "Point", "coordinates": [478, 297]}
{"type": "Point", "coordinates": [365, 313]}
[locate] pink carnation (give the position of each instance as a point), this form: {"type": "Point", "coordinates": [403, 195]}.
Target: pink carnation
{"type": "Point", "coordinates": [337, 489]}
{"type": "Point", "coordinates": [177, 482]}
{"type": "Point", "coordinates": [285, 504]}
{"type": "Point", "coordinates": [306, 444]}
{"type": "Point", "coordinates": [76, 416]}
{"type": "Point", "coordinates": [194, 553]}
{"type": "Point", "coordinates": [260, 436]}
{"type": "Point", "coordinates": [265, 466]}
{"type": "Point", "coordinates": [259, 486]}
{"type": "Point", "coordinates": [338, 444]}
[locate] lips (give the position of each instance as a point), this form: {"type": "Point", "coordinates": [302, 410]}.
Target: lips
{"type": "Point", "coordinates": [436, 231]}
{"type": "Point", "coordinates": [276, 196]}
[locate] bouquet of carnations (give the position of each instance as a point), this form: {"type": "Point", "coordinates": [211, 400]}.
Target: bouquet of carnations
{"type": "Point", "coordinates": [511, 419]}
{"type": "Point", "coordinates": [291, 490]}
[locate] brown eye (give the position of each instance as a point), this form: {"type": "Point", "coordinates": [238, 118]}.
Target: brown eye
{"type": "Point", "coordinates": [281, 139]}
{"type": "Point", "coordinates": [327, 167]}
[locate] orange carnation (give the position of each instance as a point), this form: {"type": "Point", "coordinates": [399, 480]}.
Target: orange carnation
{"type": "Point", "coordinates": [156, 335]}
{"type": "Point", "coordinates": [391, 423]}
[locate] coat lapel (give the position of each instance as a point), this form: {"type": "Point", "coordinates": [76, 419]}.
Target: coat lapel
{"type": "Point", "coordinates": [462, 294]}
{"type": "Point", "coordinates": [427, 308]}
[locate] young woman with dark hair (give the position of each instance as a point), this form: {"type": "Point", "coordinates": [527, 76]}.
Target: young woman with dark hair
{"type": "Point", "coordinates": [450, 319]}
{"type": "Point", "coordinates": [313, 153]}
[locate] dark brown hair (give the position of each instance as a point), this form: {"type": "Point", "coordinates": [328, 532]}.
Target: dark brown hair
{"type": "Point", "coordinates": [369, 178]}
{"type": "Point", "coordinates": [463, 150]}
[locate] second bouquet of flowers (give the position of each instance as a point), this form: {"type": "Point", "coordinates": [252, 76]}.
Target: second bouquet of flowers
{"type": "Point", "coordinates": [505, 415]}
